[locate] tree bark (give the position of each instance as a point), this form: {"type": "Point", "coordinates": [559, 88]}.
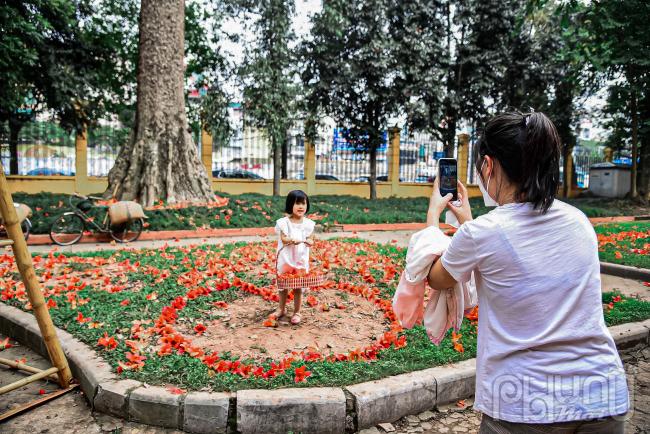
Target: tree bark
{"type": "Point", "coordinates": [14, 131]}
{"type": "Point", "coordinates": [285, 157]}
{"type": "Point", "coordinates": [160, 161]}
{"type": "Point", "coordinates": [373, 172]}
{"type": "Point", "coordinates": [277, 166]}
{"type": "Point", "coordinates": [635, 134]}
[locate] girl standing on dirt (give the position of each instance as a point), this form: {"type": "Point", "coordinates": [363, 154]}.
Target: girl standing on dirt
{"type": "Point", "coordinates": [296, 236]}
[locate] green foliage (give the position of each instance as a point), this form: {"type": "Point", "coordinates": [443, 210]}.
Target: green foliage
{"type": "Point", "coordinates": [349, 72]}
{"type": "Point", "coordinates": [267, 73]}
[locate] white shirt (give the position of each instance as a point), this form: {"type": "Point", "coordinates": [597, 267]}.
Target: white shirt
{"type": "Point", "coordinates": [543, 347]}
{"type": "Point", "coordinates": [294, 256]}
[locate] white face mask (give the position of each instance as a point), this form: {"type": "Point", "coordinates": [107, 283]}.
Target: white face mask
{"type": "Point", "coordinates": [487, 199]}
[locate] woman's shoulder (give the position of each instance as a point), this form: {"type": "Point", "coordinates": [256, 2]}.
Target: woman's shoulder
{"type": "Point", "coordinates": [282, 221]}
{"type": "Point", "coordinates": [308, 223]}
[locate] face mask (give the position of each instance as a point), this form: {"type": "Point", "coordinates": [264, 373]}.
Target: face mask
{"type": "Point", "coordinates": [484, 190]}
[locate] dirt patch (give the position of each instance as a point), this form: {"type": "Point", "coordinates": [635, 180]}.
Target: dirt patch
{"type": "Point", "coordinates": [240, 329]}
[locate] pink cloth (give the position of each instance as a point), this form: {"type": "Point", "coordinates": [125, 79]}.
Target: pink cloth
{"type": "Point", "coordinates": [445, 307]}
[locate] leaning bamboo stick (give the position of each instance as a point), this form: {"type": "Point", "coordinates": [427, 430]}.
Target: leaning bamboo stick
{"type": "Point", "coordinates": [24, 263]}
{"type": "Point", "coordinates": [26, 368]}
{"type": "Point", "coordinates": [27, 380]}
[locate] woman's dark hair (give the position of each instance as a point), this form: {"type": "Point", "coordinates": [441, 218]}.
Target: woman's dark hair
{"type": "Point", "coordinates": [293, 197]}
{"type": "Point", "coordinates": [527, 146]}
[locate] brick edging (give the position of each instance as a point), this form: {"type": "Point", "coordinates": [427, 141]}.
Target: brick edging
{"type": "Point", "coordinates": [315, 409]}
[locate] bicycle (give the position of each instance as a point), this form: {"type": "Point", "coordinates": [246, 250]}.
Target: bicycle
{"type": "Point", "coordinates": [25, 225]}
{"type": "Point", "coordinates": [68, 228]}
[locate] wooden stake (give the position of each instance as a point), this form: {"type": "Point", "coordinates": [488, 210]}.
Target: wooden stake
{"type": "Point", "coordinates": [24, 263]}
{"type": "Point", "coordinates": [26, 368]}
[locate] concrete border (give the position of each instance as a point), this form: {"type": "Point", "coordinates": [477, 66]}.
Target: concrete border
{"type": "Point", "coordinates": [326, 409]}
{"type": "Point", "coordinates": [625, 271]}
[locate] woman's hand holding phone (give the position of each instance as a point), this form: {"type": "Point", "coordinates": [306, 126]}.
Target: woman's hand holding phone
{"type": "Point", "coordinates": [437, 204]}
{"type": "Point", "coordinates": [461, 207]}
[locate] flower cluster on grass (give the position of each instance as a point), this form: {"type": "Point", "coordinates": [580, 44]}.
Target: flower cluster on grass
{"type": "Point", "coordinates": [625, 243]}
{"type": "Point", "coordinates": [147, 312]}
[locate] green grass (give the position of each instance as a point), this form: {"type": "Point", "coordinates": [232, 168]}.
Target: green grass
{"type": "Point", "coordinates": [255, 210]}
{"type": "Point", "coordinates": [633, 235]}
{"type": "Point", "coordinates": [190, 373]}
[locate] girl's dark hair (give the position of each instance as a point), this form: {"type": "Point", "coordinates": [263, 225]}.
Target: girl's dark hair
{"type": "Point", "coordinates": [293, 197]}
{"type": "Point", "coordinates": [527, 146]}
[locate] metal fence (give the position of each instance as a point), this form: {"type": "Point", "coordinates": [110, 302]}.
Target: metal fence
{"type": "Point", "coordinates": [581, 165]}
{"type": "Point", "coordinates": [338, 159]}
{"type": "Point", "coordinates": [418, 157]}
{"type": "Point", "coordinates": [43, 148]}
{"type": "Point", "coordinates": [104, 143]}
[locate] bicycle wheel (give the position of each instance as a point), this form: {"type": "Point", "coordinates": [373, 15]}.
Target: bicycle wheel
{"type": "Point", "coordinates": [128, 231]}
{"type": "Point", "coordinates": [67, 229]}
{"type": "Point", "coordinates": [26, 226]}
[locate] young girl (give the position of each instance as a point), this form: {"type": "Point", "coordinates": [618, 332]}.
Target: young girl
{"type": "Point", "coordinates": [296, 236]}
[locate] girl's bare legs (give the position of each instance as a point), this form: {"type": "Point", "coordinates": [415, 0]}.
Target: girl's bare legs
{"type": "Point", "coordinates": [297, 303]}
{"type": "Point", "coordinates": [283, 304]}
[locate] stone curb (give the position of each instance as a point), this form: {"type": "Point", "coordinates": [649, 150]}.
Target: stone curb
{"type": "Point", "coordinates": [625, 271]}
{"type": "Point", "coordinates": [317, 409]}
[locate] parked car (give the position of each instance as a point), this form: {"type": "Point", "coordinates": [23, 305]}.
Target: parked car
{"type": "Point", "coordinates": [319, 176]}
{"type": "Point", "coordinates": [235, 174]}
{"type": "Point", "coordinates": [46, 171]}
{"type": "Point", "coordinates": [326, 177]}
{"type": "Point", "coordinates": [381, 178]}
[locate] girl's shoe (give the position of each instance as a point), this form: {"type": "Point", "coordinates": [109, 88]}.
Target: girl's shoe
{"type": "Point", "coordinates": [278, 315]}
{"type": "Point", "coordinates": [296, 318]}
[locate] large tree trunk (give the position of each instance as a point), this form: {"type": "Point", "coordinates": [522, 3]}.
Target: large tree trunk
{"type": "Point", "coordinates": [277, 166]}
{"type": "Point", "coordinates": [160, 161]}
{"type": "Point", "coordinates": [373, 172]}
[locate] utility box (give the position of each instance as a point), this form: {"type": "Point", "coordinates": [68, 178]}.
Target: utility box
{"type": "Point", "coordinates": [609, 180]}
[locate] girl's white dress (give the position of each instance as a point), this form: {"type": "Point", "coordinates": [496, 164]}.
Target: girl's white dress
{"type": "Point", "coordinates": [294, 256]}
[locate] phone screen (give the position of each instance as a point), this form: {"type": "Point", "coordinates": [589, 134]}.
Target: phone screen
{"type": "Point", "coordinates": [447, 169]}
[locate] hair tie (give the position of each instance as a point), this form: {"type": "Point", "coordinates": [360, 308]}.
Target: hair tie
{"type": "Point", "coordinates": [526, 119]}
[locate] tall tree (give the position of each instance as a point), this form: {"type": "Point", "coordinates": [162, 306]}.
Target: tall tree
{"type": "Point", "coordinates": [49, 60]}
{"type": "Point", "coordinates": [619, 47]}
{"type": "Point", "coordinates": [268, 77]}
{"type": "Point", "coordinates": [160, 161]}
{"type": "Point", "coordinates": [349, 73]}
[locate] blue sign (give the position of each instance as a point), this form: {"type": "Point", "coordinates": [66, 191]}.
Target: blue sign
{"type": "Point", "coordinates": [438, 155]}
{"type": "Point", "coordinates": [341, 143]}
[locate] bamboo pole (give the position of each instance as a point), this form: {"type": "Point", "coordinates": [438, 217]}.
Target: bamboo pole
{"type": "Point", "coordinates": [26, 368]}
{"type": "Point", "coordinates": [27, 380]}
{"type": "Point", "coordinates": [24, 263]}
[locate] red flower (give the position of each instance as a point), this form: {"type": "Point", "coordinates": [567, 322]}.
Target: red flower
{"type": "Point", "coordinates": [301, 374]}
{"type": "Point", "coordinates": [175, 390]}
{"type": "Point", "coordinates": [199, 329]}
{"type": "Point", "coordinates": [616, 299]}
{"type": "Point", "coordinates": [107, 342]}
{"type": "Point", "coordinates": [125, 302]}
{"type": "Point", "coordinates": [41, 391]}
{"type": "Point", "coordinates": [51, 303]}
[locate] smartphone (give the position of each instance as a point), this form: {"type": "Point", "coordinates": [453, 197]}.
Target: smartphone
{"type": "Point", "coordinates": [447, 170]}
